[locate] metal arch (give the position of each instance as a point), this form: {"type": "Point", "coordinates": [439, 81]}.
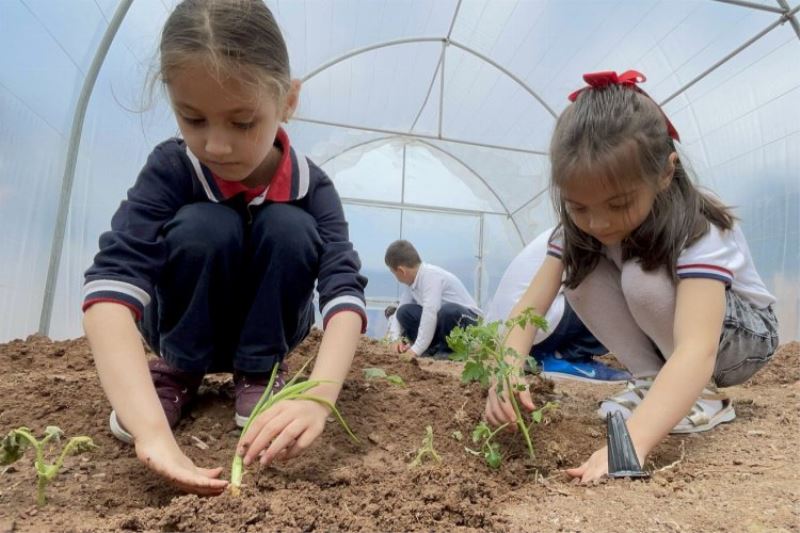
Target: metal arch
{"type": "Point", "coordinates": [791, 16]}
{"type": "Point", "coordinates": [786, 15]}
{"type": "Point", "coordinates": [448, 154]}
{"type": "Point", "coordinates": [78, 118]}
{"type": "Point", "coordinates": [446, 41]}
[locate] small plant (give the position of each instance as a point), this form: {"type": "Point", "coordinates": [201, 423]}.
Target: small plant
{"type": "Point", "coordinates": [13, 446]}
{"type": "Point", "coordinates": [426, 450]}
{"type": "Point", "coordinates": [293, 390]}
{"type": "Point", "coordinates": [482, 347]}
{"type": "Point", "coordinates": [379, 373]}
{"type": "Point", "coordinates": [490, 451]}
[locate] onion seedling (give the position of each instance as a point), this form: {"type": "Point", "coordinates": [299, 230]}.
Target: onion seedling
{"type": "Point", "coordinates": [295, 389]}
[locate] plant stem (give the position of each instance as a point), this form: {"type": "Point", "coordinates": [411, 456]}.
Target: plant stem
{"type": "Point", "coordinates": [237, 471]}
{"type": "Point", "coordinates": [520, 421]}
{"type": "Point", "coordinates": [41, 484]}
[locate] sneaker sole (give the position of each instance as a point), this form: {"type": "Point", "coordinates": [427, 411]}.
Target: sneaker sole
{"type": "Point", "coordinates": [241, 421]}
{"type": "Point", "coordinates": [725, 415]}
{"type": "Point", "coordinates": [557, 376]}
{"type": "Point", "coordinates": [117, 430]}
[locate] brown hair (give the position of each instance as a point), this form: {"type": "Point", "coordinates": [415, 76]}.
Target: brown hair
{"type": "Point", "coordinates": [237, 38]}
{"type": "Point", "coordinates": [621, 136]}
{"type": "Point", "coordinates": [402, 253]}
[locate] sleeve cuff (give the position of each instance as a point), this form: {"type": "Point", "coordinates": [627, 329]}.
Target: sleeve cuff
{"type": "Point", "coordinates": [345, 303]}
{"type": "Point", "coordinates": [127, 294]}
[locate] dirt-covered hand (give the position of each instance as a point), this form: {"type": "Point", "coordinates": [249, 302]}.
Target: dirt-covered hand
{"type": "Point", "coordinates": [283, 431]}
{"type": "Point", "coordinates": [400, 347]}
{"type": "Point", "coordinates": [165, 458]}
{"type": "Point", "coordinates": [594, 469]}
{"type": "Point", "coordinates": [499, 409]}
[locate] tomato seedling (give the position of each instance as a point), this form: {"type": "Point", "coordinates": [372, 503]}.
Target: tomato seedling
{"type": "Point", "coordinates": [13, 446]}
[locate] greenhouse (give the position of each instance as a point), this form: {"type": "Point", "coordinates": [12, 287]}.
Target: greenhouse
{"type": "Point", "coordinates": [433, 119]}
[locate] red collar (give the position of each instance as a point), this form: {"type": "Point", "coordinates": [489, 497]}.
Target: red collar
{"type": "Point", "coordinates": [280, 185]}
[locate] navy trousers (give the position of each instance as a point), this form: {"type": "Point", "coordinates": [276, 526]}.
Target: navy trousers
{"type": "Point", "coordinates": [450, 315]}
{"type": "Point", "coordinates": [236, 293]}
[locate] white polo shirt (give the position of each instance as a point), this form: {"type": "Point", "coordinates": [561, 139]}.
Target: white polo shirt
{"type": "Point", "coordinates": [719, 254]}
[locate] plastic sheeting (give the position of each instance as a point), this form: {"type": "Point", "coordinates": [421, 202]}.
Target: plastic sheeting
{"type": "Point", "coordinates": [440, 138]}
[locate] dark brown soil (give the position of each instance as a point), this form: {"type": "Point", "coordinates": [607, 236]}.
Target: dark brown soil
{"type": "Point", "coordinates": [742, 476]}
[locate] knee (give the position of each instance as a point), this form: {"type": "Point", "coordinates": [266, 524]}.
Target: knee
{"type": "Point", "coordinates": [647, 292]}
{"type": "Point", "coordinates": [205, 229]}
{"type": "Point", "coordinates": [406, 314]}
{"type": "Point", "coordinates": [286, 229]}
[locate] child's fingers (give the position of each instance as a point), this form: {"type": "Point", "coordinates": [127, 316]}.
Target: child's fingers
{"type": "Point", "coordinates": [301, 443]}
{"type": "Point", "coordinates": [211, 472]}
{"type": "Point", "coordinates": [526, 400]}
{"type": "Point", "coordinates": [268, 432]}
{"type": "Point", "coordinates": [283, 442]}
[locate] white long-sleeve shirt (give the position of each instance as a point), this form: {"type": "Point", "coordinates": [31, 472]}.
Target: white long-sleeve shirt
{"type": "Point", "coordinates": [515, 282]}
{"type": "Point", "coordinates": [432, 287]}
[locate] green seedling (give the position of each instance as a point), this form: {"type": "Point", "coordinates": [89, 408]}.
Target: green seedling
{"type": "Point", "coordinates": [426, 450]}
{"type": "Point", "coordinates": [379, 373]}
{"type": "Point", "coordinates": [483, 435]}
{"type": "Point", "coordinates": [13, 446]}
{"type": "Point", "coordinates": [489, 450]}
{"type": "Point", "coordinates": [482, 347]}
{"type": "Point", "coordinates": [295, 389]}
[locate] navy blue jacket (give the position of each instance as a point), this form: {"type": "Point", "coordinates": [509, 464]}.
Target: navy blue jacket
{"type": "Point", "coordinates": [132, 255]}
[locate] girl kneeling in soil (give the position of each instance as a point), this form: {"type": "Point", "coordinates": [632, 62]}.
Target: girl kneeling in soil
{"type": "Point", "coordinates": [658, 271]}
{"type": "Point", "coordinates": [215, 253]}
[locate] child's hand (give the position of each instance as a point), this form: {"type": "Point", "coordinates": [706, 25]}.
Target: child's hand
{"type": "Point", "coordinates": [597, 466]}
{"type": "Point", "coordinates": [593, 469]}
{"type": "Point", "coordinates": [400, 347]}
{"type": "Point", "coordinates": [285, 430]}
{"type": "Point", "coordinates": [499, 410]}
{"type": "Point", "coordinates": [166, 459]}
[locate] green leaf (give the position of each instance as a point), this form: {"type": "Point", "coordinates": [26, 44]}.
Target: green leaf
{"type": "Point", "coordinates": [481, 431]}
{"type": "Point", "coordinates": [394, 379]}
{"type": "Point", "coordinates": [374, 373]}
{"type": "Point", "coordinates": [12, 447]}
{"type": "Point", "coordinates": [493, 457]}
{"type": "Point", "coordinates": [537, 416]}
{"type": "Point", "coordinates": [473, 371]}
{"type": "Point", "coordinates": [55, 431]}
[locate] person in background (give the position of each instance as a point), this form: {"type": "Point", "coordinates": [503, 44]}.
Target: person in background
{"type": "Point", "coordinates": [432, 303]}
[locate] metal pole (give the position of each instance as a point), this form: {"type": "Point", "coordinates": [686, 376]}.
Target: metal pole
{"type": "Point", "coordinates": [786, 16]}
{"type": "Point", "coordinates": [480, 261]}
{"type": "Point", "coordinates": [792, 20]}
{"type": "Point", "coordinates": [418, 136]}
{"type": "Point", "coordinates": [752, 5]}
{"type": "Point", "coordinates": [441, 88]}
{"type": "Point", "coordinates": [72, 158]}
{"type": "Point", "coordinates": [403, 190]}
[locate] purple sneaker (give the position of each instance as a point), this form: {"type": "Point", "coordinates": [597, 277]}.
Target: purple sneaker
{"type": "Point", "coordinates": [175, 389]}
{"type": "Point", "coordinates": [250, 387]}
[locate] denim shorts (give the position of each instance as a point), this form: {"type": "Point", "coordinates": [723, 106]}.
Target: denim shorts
{"type": "Point", "coordinates": [748, 341]}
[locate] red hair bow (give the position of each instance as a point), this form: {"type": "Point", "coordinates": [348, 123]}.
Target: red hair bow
{"type": "Point", "coordinates": [630, 78]}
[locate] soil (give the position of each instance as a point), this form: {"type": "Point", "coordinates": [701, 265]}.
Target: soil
{"type": "Point", "coordinates": [742, 476]}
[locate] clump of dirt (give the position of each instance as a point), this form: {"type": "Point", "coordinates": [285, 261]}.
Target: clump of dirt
{"type": "Point", "coordinates": [338, 485]}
